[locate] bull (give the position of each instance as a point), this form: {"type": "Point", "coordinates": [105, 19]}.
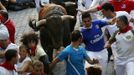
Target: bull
{"type": "Point", "coordinates": [69, 5]}
{"type": "Point", "coordinates": [54, 27]}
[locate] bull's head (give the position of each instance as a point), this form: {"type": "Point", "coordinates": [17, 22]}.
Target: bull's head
{"type": "Point", "coordinates": [53, 30]}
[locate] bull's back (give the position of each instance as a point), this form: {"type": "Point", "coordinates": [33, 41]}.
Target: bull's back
{"type": "Point", "coordinates": [50, 9]}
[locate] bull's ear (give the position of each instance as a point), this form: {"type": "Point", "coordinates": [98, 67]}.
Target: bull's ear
{"type": "Point", "coordinates": [67, 17]}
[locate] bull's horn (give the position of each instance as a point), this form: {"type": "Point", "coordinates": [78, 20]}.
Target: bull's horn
{"type": "Point", "coordinates": [35, 25]}
{"type": "Point", "coordinates": [67, 17]}
{"type": "Point", "coordinates": [40, 23]}
{"type": "Point", "coordinates": [32, 23]}
{"type": "Point", "coordinates": [69, 3]}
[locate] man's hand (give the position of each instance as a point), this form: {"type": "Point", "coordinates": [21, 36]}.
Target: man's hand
{"type": "Point", "coordinates": [81, 10]}
{"type": "Point", "coordinates": [107, 45]}
{"type": "Point", "coordinates": [93, 61]}
{"type": "Point", "coordinates": [112, 21]}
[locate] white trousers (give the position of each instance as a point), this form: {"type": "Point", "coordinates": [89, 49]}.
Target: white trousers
{"type": "Point", "coordinates": [102, 57]}
{"type": "Point", "coordinates": [124, 66]}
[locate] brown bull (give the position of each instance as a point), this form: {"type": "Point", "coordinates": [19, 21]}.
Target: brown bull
{"type": "Point", "coordinates": [69, 5]}
{"type": "Point", "coordinates": [54, 27]}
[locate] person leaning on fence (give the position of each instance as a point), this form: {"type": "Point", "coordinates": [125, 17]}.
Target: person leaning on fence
{"type": "Point", "coordinates": [4, 42]}
{"type": "Point", "coordinates": [24, 65]}
{"type": "Point", "coordinates": [124, 45]}
{"type": "Point", "coordinates": [4, 18]}
{"type": "Point", "coordinates": [31, 41]}
{"type": "Point", "coordinates": [74, 56]}
{"type": "Point", "coordinates": [38, 68]}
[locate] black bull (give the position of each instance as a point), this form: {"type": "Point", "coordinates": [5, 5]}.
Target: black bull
{"type": "Point", "coordinates": [54, 26]}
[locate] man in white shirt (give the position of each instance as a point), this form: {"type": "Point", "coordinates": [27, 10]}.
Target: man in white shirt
{"type": "Point", "coordinates": [86, 4]}
{"type": "Point", "coordinates": [124, 45]}
{"type": "Point", "coordinates": [5, 44]}
{"type": "Point", "coordinates": [11, 58]}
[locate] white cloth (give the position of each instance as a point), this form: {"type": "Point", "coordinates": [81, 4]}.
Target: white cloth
{"type": "Point", "coordinates": [3, 32]}
{"type": "Point", "coordinates": [122, 40]}
{"type": "Point", "coordinates": [98, 2]}
{"type": "Point", "coordinates": [121, 13]}
{"type": "Point", "coordinates": [84, 4]}
{"type": "Point", "coordinates": [40, 3]}
{"type": "Point", "coordinates": [125, 54]}
{"type": "Point", "coordinates": [132, 13]}
{"type": "Point", "coordinates": [12, 46]}
{"type": "Point", "coordinates": [101, 56]}
{"type": "Point", "coordinates": [4, 71]}
{"type": "Point", "coordinates": [19, 65]}
{"type": "Point", "coordinates": [40, 52]}
{"type": "Point", "coordinates": [111, 28]}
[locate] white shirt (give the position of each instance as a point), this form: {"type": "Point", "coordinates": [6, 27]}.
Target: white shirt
{"type": "Point", "coordinates": [121, 13]}
{"type": "Point", "coordinates": [86, 4]}
{"type": "Point", "coordinates": [3, 32]}
{"type": "Point", "coordinates": [125, 45]}
{"type": "Point", "coordinates": [20, 65]}
{"type": "Point", "coordinates": [98, 2]}
{"type": "Point", "coordinates": [113, 28]}
{"type": "Point", "coordinates": [4, 71]}
{"type": "Point", "coordinates": [40, 52]}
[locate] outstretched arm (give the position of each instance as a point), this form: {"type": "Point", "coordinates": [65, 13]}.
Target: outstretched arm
{"type": "Point", "coordinates": [54, 62]}
{"type": "Point", "coordinates": [90, 10]}
{"type": "Point", "coordinates": [111, 40]}
{"type": "Point", "coordinates": [25, 68]}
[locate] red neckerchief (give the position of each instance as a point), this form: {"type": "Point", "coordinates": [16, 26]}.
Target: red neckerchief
{"type": "Point", "coordinates": [1, 18]}
{"type": "Point", "coordinates": [33, 51]}
{"type": "Point", "coordinates": [11, 28]}
{"type": "Point", "coordinates": [33, 73]}
{"type": "Point", "coordinates": [8, 66]}
{"type": "Point", "coordinates": [126, 29]}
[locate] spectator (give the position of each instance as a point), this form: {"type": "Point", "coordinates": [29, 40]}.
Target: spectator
{"type": "Point", "coordinates": [31, 40]}
{"type": "Point", "coordinates": [8, 67]}
{"type": "Point", "coordinates": [122, 5]}
{"type": "Point", "coordinates": [24, 65]}
{"type": "Point", "coordinates": [82, 4]}
{"type": "Point", "coordinates": [74, 56]}
{"type": "Point", "coordinates": [124, 43]}
{"type": "Point", "coordinates": [119, 5]}
{"type": "Point", "coordinates": [18, 4]}
{"type": "Point", "coordinates": [38, 68]}
{"type": "Point", "coordinates": [4, 18]}
{"type": "Point", "coordinates": [4, 42]}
